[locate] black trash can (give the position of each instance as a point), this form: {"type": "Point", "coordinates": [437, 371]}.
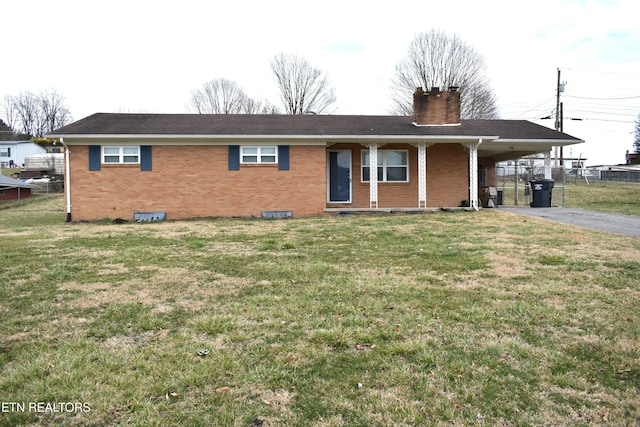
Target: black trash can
{"type": "Point", "coordinates": [541, 193]}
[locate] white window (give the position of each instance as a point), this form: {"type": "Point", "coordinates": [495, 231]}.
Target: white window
{"type": "Point", "coordinates": [121, 155]}
{"type": "Point", "coordinates": [5, 152]}
{"type": "Point", "coordinates": [268, 155]}
{"type": "Point", "coordinates": [393, 166]}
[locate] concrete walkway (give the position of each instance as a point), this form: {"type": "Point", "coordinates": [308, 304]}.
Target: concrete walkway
{"type": "Point", "coordinates": [615, 223]}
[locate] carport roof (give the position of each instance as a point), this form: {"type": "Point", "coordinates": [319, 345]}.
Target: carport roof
{"type": "Point", "coordinates": [6, 182]}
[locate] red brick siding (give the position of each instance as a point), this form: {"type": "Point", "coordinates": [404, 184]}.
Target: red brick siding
{"type": "Point", "coordinates": [490, 167]}
{"type": "Point", "coordinates": [12, 194]}
{"type": "Point", "coordinates": [447, 178]}
{"type": "Point", "coordinates": [194, 181]}
{"type": "Point", "coordinates": [447, 175]}
{"type": "Point", "coordinates": [391, 194]}
{"type": "Point", "coordinates": [436, 108]}
{"type": "Point", "coordinates": [490, 181]}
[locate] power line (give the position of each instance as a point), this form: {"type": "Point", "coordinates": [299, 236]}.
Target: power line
{"type": "Point", "coordinates": [608, 120]}
{"type": "Point", "coordinates": [602, 99]}
{"type": "Point", "coordinates": [532, 109]}
{"type": "Point", "coordinates": [600, 71]}
{"type": "Point", "coordinates": [606, 113]}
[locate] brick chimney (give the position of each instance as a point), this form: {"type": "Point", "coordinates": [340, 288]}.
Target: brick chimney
{"type": "Point", "coordinates": [436, 107]}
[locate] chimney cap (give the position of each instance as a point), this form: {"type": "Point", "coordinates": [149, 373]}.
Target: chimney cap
{"type": "Point", "coordinates": [454, 88]}
{"type": "Point", "coordinates": [435, 89]}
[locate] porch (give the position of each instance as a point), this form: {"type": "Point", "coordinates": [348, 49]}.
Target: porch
{"type": "Point", "coordinates": [412, 177]}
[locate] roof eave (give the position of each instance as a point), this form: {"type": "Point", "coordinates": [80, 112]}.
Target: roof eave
{"type": "Point", "coordinates": [72, 139]}
{"type": "Point", "coordinates": [553, 142]}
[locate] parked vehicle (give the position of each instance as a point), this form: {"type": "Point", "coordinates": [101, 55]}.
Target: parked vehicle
{"type": "Point", "coordinates": [37, 180]}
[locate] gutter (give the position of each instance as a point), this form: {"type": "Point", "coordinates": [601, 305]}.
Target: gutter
{"type": "Point", "coordinates": [302, 139]}
{"type": "Point", "coordinates": [67, 179]}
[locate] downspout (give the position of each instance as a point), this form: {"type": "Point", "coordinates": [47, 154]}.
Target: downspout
{"type": "Point", "coordinates": [67, 179]}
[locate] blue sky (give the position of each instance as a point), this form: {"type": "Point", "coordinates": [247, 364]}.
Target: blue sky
{"type": "Point", "coordinates": [147, 56]}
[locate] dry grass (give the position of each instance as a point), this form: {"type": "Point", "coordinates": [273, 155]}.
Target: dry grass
{"type": "Point", "coordinates": [436, 319]}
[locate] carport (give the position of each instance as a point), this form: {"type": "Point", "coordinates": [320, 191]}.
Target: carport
{"type": "Point", "coordinates": [13, 189]}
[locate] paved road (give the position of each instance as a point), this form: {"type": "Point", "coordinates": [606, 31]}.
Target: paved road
{"type": "Point", "coordinates": [616, 223]}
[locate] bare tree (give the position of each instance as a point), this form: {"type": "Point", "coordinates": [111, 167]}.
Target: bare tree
{"type": "Point", "coordinates": [35, 115]}
{"type": "Point", "coordinates": [9, 112]}
{"type": "Point", "coordinates": [6, 133]}
{"type": "Point", "coordinates": [26, 106]}
{"type": "Point", "coordinates": [254, 106]}
{"type": "Point", "coordinates": [223, 96]}
{"type": "Point", "coordinates": [54, 112]}
{"type": "Point", "coordinates": [436, 59]}
{"type": "Point", "coordinates": [219, 96]}
{"type": "Point", "coordinates": [304, 89]}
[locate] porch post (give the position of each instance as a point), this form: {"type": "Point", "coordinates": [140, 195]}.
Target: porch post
{"type": "Point", "coordinates": [422, 175]}
{"type": "Point", "coordinates": [473, 173]}
{"type": "Point", "coordinates": [373, 175]}
{"type": "Point", "coordinates": [547, 165]}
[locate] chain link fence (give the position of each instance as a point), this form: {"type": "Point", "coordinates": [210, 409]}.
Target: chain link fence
{"type": "Point", "coordinates": [604, 177]}
{"type": "Point", "coordinates": [50, 187]}
{"type": "Point", "coordinates": [514, 188]}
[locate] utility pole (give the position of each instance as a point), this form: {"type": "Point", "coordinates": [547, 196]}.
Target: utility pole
{"type": "Point", "coordinates": [561, 130]}
{"type": "Point", "coordinates": [558, 103]}
{"type": "Point", "coordinates": [559, 89]}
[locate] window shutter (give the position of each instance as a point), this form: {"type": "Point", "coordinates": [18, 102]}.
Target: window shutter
{"type": "Point", "coordinates": [234, 157]}
{"type": "Point", "coordinates": [283, 157]}
{"type": "Point", "coordinates": [8, 151]}
{"type": "Point", "coordinates": [95, 151]}
{"type": "Point", "coordinates": [145, 158]}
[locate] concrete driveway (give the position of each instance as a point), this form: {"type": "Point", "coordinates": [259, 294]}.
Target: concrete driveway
{"type": "Point", "coordinates": [615, 223]}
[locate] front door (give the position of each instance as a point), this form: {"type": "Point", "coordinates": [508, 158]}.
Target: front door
{"type": "Point", "coordinates": [339, 179]}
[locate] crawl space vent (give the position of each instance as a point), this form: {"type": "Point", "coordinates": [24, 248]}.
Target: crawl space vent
{"type": "Point", "coordinates": [149, 216]}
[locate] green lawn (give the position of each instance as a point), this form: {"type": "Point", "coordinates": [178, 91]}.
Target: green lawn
{"type": "Point", "coordinates": [475, 319]}
{"type": "Point", "coordinates": [611, 196]}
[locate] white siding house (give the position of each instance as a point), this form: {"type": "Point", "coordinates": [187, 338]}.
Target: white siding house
{"type": "Point", "coordinates": [15, 152]}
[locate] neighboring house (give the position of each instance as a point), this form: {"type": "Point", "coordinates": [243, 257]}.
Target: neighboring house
{"type": "Point", "coordinates": [193, 165]}
{"type": "Point", "coordinates": [12, 189]}
{"type": "Point", "coordinates": [632, 158]}
{"type": "Point", "coordinates": [14, 153]}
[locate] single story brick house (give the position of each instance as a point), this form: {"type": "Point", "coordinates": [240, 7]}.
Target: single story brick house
{"type": "Point", "coordinates": [197, 165]}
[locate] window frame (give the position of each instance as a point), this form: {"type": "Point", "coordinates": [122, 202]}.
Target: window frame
{"type": "Point", "coordinates": [121, 155]}
{"type": "Point", "coordinates": [483, 176]}
{"type": "Point", "coordinates": [382, 155]}
{"type": "Point", "coordinates": [259, 155]}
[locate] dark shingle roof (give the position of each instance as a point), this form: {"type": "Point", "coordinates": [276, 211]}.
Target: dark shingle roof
{"type": "Point", "coordinates": [303, 125]}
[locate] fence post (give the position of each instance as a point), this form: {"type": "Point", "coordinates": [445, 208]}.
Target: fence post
{"type": "Point", "coordinates": [516, 178]}
{"type": "Point", "coordinates": [564, 183]}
